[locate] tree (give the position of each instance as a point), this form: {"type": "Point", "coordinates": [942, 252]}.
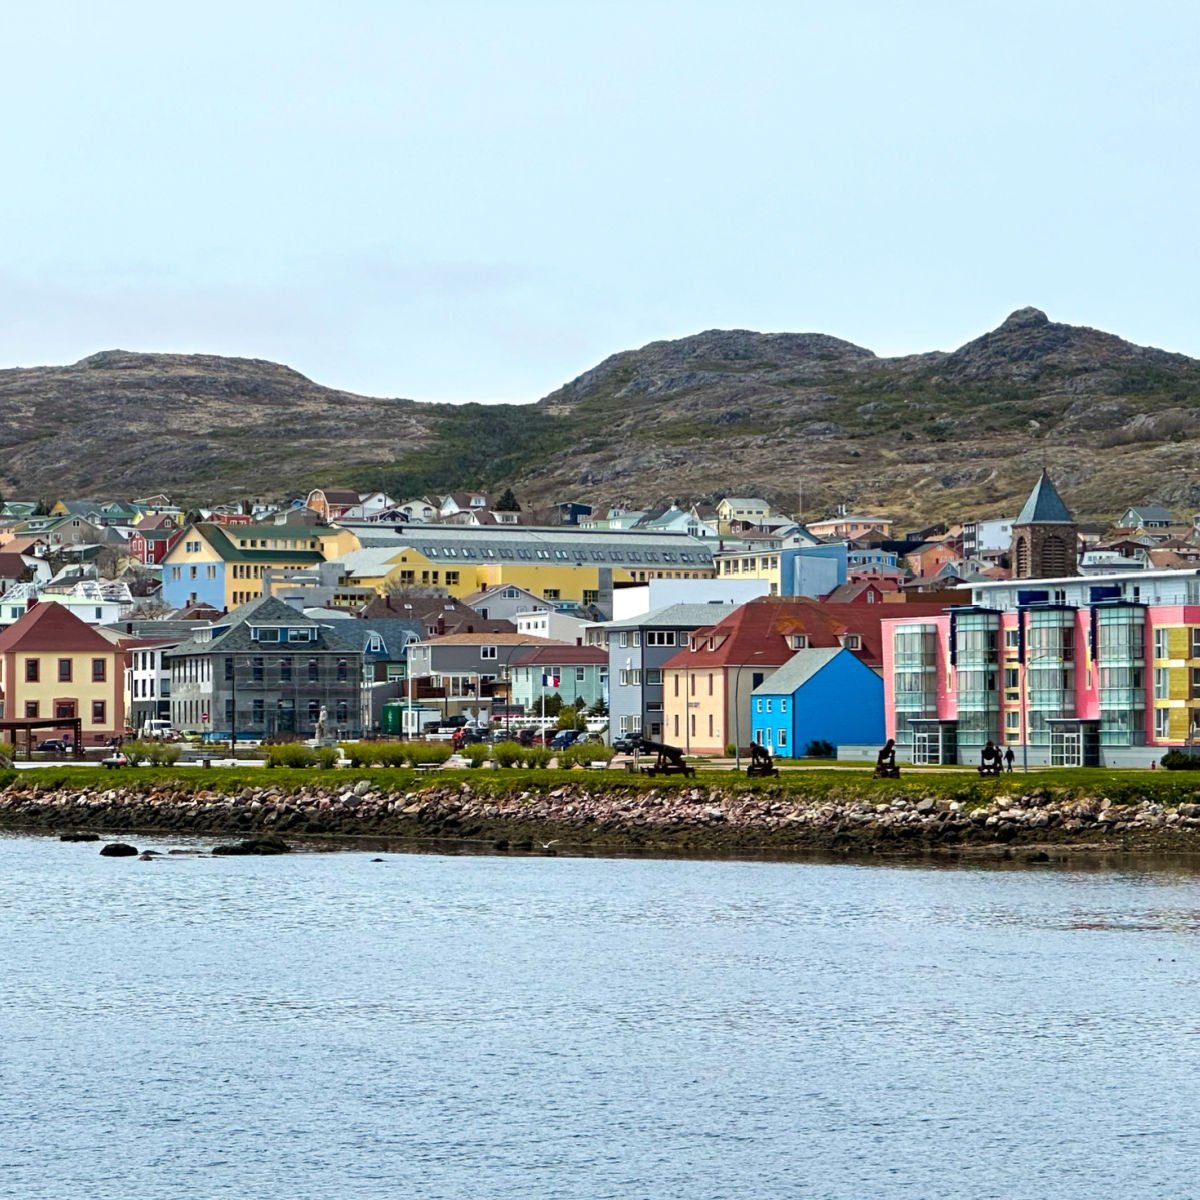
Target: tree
{"type": "Point", "coordinates": [553, 707]}
{"type": "Point", "coordinates": [41, 508]}
{"type": "Point", "coordinates": [598, 708]}
{"type": "Point", "coordinates": [507, 502]}
{"type": "Point", "coordinates": [570, 717]}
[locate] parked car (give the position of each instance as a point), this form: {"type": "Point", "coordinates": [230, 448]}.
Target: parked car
{"type": "Point", "coordinates": [627, 744]}
{"type": "Point", "coordinates": [564, 738]}
{"type": "Point", "coordinates": [53, 746]}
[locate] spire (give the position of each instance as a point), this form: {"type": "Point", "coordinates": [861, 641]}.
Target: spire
{"type": "Point", "coordinates": [1045, 505]}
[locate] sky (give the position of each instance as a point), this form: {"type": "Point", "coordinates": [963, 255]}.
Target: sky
{"type": "Point", "coordinates": [461, 200]}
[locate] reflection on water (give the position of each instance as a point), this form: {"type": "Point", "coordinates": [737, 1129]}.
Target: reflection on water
{"type": "Point", "coordinates": [457, 1026]}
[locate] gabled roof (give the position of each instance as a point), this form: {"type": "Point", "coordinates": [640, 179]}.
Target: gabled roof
{"type": "Point", "coordinates": [494, 639]}
{"type": "Point", "coordinates": [568, 656]}
{"type": "Point", "coordinates": [675, 616]}
{"type": "Point", "coordinates": [223, 544]}
{"type": "Point", "coordinates": [1151, 512]}
{"type": "Point", "coordinates": [799, 669]}
{"type": "Point", "coordinates": [744, 502]}
{"type": "Point", "coordinates": [759, 633]}
{"type": "Point", "coordinates": [1044, 506]}
{"type": "Point", "coordinates": [50, 626]}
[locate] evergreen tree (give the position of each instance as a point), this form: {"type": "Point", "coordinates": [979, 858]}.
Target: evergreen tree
{"type": "Point", "coordinates": [507, 502]}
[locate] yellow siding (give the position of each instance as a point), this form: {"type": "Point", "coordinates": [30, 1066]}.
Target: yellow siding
{"type": "Point", "coordinates": [1177, 730]}
{"type": "Point", "coordinates": [1177, 683]}
{"type": "Point", "coordinates": [1178, 642]}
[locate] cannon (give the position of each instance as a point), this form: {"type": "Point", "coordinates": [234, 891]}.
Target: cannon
{"type": "Point", "coordinates": [761, 763]}
{"type": "Point", "coordinates": [668, 760]}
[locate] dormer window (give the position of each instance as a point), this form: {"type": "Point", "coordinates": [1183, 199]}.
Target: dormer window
{"type": "Point", "coordinates": [798, 641]}
{"type": "Point", "coordinates": [851, 641]}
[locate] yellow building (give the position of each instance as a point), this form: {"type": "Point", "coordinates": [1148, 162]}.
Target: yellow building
{"type": "Point", "coordinates": [556, 564]}
{"type": "Point", "coordinates": [55, 666]}
{"type": "Point", "coordinates": [1176, 683]}
{"type": "Point", "coordinates": [223, 565]}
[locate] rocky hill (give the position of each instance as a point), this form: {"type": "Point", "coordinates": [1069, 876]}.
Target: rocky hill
{"type": "Point", "coordinates": [728, 411]}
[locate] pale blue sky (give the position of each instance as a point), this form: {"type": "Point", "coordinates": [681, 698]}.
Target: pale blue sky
{"type": "Point", "coordinates": [479, 201]}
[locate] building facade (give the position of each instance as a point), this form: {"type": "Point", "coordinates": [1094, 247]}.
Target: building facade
{"type": "Point", "coordinates": [1076, 671]}
{"type": "Point", "coordinates": [267, 671]}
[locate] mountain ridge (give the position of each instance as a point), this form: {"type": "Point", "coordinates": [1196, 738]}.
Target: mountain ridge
{"type": "Point", "coordinates": [938, 434]}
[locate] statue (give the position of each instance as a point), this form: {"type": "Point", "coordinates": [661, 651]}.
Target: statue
{"type": "Point", "coordinates": [990, 761]}
{"type": "Point", "coordinates": [885, 761]}
{"type": "Point", "coordinates": [323, 725]}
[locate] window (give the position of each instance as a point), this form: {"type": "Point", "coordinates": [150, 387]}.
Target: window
{"type": "Point", "coordinates": [1012, 719]}
{"type": "Point", "coordinates": [64, 710]}
{"type": "Point", "coordinates": [654, 675]}
{"type": "Point", "coordinates": [580, 674]}
{"type": "Point", "coordinates": [32, 670]}
{"type": "Point", "coordinates": [552, 593]}
{"type": "Point", "coordinates": [99, 712]}
{"type": "Point", "coordinates": [228, 670]}
{"type": "Point", "coordinates": [342, 712]}
{"type": "Point", "coordinates": [258, 711]}
{"type": "Point", "coordinates": [343, 670]}
{"type": "Point", "coordinates": [31, 708]}
{"type": "Point", "coordinates": [1161, 683]}
{"type": "Point", "coordinates": [99, 670]}
{"type": "Point", "coordinates": [781, 739]}
{"type": "Point", "coordinates": [799, 641]}
{"type": "Point", "coordinates": [1160, 644]}
{"type": "Point", "coordinates": [1196, 642]}
{"type": "Point", "coordinates": [314, 711]}
{"type": "Point", "coordinates": [710, 683]}
{"type": "Point", "coordinates": [1162, 723]}
{"type": "Point", "coordinates": [314, 670]}
{"type": "Point", "coordinates": [660, 637]}
{"type": "Point", "coordinates": [64, 670]}
{"type": "Point", "coordinates": [852, 641]}
{"type": "Point", "coordinates": [487, 651]}
{"type": "Point", "coordinates": [256, 670]}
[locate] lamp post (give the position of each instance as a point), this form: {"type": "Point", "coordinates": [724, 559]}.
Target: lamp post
{"type": "Point", "coordinates": [737, 682]}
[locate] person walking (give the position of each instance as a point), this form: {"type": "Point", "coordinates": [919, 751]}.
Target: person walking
{"type": "Point", "coordinates": [1008, 758]}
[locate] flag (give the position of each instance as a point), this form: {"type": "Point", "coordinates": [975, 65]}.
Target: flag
{"type": "Point", "coordinates": [549, 680]}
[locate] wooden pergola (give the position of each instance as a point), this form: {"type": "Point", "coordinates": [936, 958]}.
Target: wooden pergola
{"type": "Point", "coordinates": [12, 727]}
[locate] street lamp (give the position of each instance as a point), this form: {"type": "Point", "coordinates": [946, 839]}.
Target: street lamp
{"type": "Point", "coordinates": [737, 683]}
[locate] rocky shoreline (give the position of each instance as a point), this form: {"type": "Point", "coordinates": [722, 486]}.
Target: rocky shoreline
{"type": "Point", "coordinates": [570, 818]}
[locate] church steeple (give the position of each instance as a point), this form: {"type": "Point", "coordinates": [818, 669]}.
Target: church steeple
{"type": "Point", "coordinates": [1045, 543]}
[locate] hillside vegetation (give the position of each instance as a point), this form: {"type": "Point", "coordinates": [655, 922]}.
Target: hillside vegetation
{"type": "Point", "coordinates": [944, 434]}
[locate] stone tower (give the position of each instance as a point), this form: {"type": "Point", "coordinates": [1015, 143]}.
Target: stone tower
{"type": "Point", "coordinates": [1045, 541]}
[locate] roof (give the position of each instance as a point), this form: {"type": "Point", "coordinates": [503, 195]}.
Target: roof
{"type": "Point", "coordinates": [569, 656]}
{"type": "Point", "coordinates": [50, 626]}
{"type": "Point", "coordinates": [556, 545]}
{"type": "Point", "coordinates": [760, 632]}
{"type": "Point", "coordinates": [1044, 506]}
{"type": "Point", "coordinates": [1151, 512]}
{"type": "Point", "coordinates": [745, 502]}
{"type": "Point", "coordinates": [494, 639]}
{"type": "Point", "coordinates": [223, 544]}
{"type": "Point", "coordinates": [798, 670]}
{"type": "Point", "coordinates": [678, 616]}
{"type": "Point", "coordinates": [267, 610]}
{"type": "Point", "coordinates": [339, 495]}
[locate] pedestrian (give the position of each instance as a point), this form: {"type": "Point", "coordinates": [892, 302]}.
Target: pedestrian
{"type": "Point", "coordinates": [1008, 758]}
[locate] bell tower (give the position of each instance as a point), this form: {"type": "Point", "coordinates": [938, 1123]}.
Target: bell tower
{"type": "Point", "coordinates": [1045, 540]}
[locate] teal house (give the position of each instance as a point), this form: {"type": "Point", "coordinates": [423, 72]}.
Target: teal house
{"type": "Point", "coordinates": [827, 695]}
{"type": "Point", "coordinates": [578, 674]}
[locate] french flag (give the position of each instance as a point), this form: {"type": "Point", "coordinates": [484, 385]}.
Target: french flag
{"type": "Point", "coordinates": [549, 681]}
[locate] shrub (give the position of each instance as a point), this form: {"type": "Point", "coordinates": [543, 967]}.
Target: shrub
{"type": "Point", "coordinates": [1176, 760]}
{"type": "Point", "coordinates": [535, 756]}
{"type": "Point", "coordinates": [290, 754]}
{"type": "Point", "coordinates": [419, 754]}
{"type": "Point", "coordinates": [390, 754]}
{"type": "Point", "coordinates": [476, 753]}
{"type": "Point", "coordinates": [819, 748]}
{"type": "Point", "coordinates": [327, 757]}
{"type": "Point", "coordinates": [589, 752]}
{"type": "Point", "coordinates": [731, 751]}
{"type": "Point", "coordinates": [507, 754]}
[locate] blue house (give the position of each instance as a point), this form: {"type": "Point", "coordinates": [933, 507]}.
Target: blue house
{"type": "Point", "coordinates": [826, 694]}
{"type": "Point", "coordinates": [812, 570]}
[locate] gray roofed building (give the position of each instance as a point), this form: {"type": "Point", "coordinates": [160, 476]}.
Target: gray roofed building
{"type": "Point", "coordinates": [266, 670]}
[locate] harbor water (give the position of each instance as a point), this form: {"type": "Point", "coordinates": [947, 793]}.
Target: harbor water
{"type": "Point", "coordinates": [438, 1026]}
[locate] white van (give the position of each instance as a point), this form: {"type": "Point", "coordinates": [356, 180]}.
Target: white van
{"type": "Point", "coordinates": [157, 727]}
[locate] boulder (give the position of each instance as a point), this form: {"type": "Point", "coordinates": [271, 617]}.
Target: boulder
{"type": "Point", "coordinates": [118, 850]}
{"type": "Point", "coordinates": [267, 845]}
{"type": "Point", "coordinates": [78, 837]}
